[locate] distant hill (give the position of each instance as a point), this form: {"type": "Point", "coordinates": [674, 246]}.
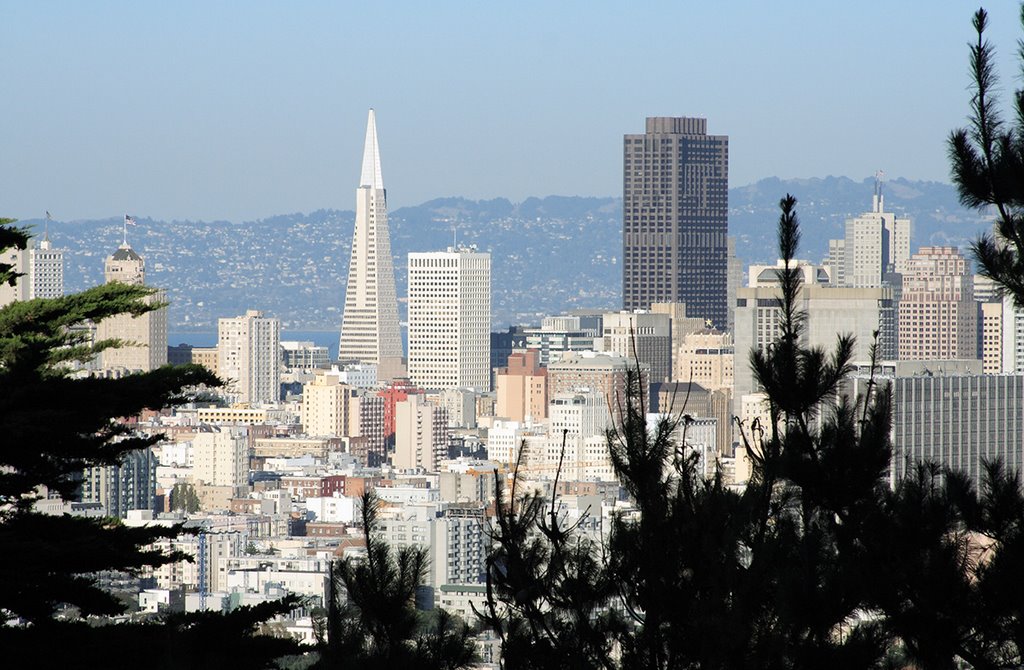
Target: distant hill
{"type": "Point", "coordinates": [549, 254]}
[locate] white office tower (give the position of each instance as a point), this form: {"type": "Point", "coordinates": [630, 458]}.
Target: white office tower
{"type": "Point", "coordinates": [450, 319]}
{"type": "Point", "coordinates": [42, 270]}
{"type": "Point", "coordinates": [369, 327]}
{"type": "Point", "coordinates": [45, 270]}
{"type": "Point", "coordinates": [145, 335]}
{"type": "Point", "coordinates": [877, 243]}
{"type": "Point", "coordinates": [249, 357]}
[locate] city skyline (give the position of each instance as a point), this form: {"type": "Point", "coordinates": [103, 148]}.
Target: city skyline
{"type": "Point", "coordinates": [190, 114]}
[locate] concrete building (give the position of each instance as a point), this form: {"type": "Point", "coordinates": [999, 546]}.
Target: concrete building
{"type": "Point", "coordinates": [421, 434]}
{"type": "Point", "coordinates": [450, 319]}
{"type": "Point", "coordinates": [220, 457]}
{"type": "Point", "coordinates": [505, 437]}
{"type": "Point", "coordinates": [326, 406]}
{"type": "Point", "coordinates": [366, 430]}
{"type": "Point", "coordinates": [522, 388]}
{"type": "Point", "coordinates": [830, 313]}
{"type": "Point", "coordinates": [706, 358]}
{"type": "Point", "coordinates": [303, 355]}
{"type": "Point", "coordinates": [947, 412]}
{"type": "Point", "coordinates": [557, 335]}
{"type": "Point", "coordinates": [578, 424]}
{"type": "Point", "coordinates": [642, 336]}
{"type": "Point", "coordinates": [990, 336]}
{"type": "Point", "coordinates": [370, 330]}
{"type": "Point", "coordinates": [248, 356]}
{"type": "Point", "coordinates": [938, 318]}
{"type": "Point", "coordinates": [601, 372]}
{"type": "Point", "coordinates": [675, 218]}
{"type": "Point", "coordinates": [45, 269]}
{"type": "Point", "coordinates": [454, 533]}
{"type": "Point", "coordinates": [768, 275]}
{"type": "Point", "coordinates": [42, 268]}
{"type": "Point", "coordinates": [146, 333]}
{"type": "Point", "coordinates": [876, 243]}
{"type": "Point", "coordinates": [129, 485]}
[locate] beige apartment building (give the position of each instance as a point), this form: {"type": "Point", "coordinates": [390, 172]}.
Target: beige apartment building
{"type": "Point", "coordinates": [937, 314]}
{"type": "Point", "coordinates": [145, 336]}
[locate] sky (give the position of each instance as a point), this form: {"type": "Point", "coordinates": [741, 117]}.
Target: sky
{"type": "Point", "coordinates": [243, 110]}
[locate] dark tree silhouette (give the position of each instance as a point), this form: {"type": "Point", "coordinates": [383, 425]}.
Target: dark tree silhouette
{"type": "Point", "coordinates": [702, 576]}
{"type": "Point", "coordinates": [372, 620]}
{"type": "Point", "coordinates": [55, 425]}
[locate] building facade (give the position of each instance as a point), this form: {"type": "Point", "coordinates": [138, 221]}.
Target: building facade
{"type": "Point", "coordinates": [369, 329]}
{"type": "Point", "coordinates": [522, 388]}
{"type": "Point", "coordinates": [675, 218]}
{"type": "Point", "coordinates": [642, 336]}
{"type": "Point", "coordinates": [145, 336]}
{"type": "Point", "coordinates": [249, 356]}
{"type": "Point", "coordinates": [938, 318]}
{"type": "Point", "coordinates": [450, 319]}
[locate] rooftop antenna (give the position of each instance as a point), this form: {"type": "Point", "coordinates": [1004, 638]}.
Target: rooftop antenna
{"type": "Point", "coordinates": [455, 236]}
{"type": "Point", "coordinates": [879, 175]}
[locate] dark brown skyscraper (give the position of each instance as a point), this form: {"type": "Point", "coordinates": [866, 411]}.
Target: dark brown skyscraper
{"type": "Point", "coordinates": [675, 218]}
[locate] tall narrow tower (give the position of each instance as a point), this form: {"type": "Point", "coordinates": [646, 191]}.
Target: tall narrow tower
{"type": "Point", "coordinates": [369, 327]}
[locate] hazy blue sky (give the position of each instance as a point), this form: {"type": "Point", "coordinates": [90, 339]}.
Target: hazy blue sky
{"type": "Point", "coordinates": [240, 110]}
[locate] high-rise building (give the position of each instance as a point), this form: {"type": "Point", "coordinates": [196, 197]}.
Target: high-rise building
{"type": "Point", "coordinates": [604, 373]}
{"type": "Point", "coordinates": [675, 215]}
{"type": "Point", "coordinates": [369, 328]}
{"type": "Point", "coordinates": [876, 243]}
{"type": "Point", "coordinates": [220, 457]}
{"type": "Point", "coordinates": [128, 485]}
{"type": "Point", "coordinates": [249, 356]}
{"type": "Point", "coordinates": [145, 335]}
{"type": "Point", "coordinates": [326, 405]}
{"type": "Point", "coordinates": [990, 336]}
{"type": "Point", "coordinates": [938, 318]}
{"type": "Point", "coordinates": [946, 412]}
{"type": "Point", "coordinates": [522, 388]}
{"type": "Point", "coordinates": [450, 319]}
{"type": "Point", "coordinates": [557, 335]}
{"type": "Point", "coordinates": [830, 312]}
{"type": "Point", "coordinates": [421, 434]}
{"type": "Point", "coordinates": [642, 336]}
{"type": "Point", "coordinates": [45, 270]}
{"type": "Point", "coordinates": [42, 268]}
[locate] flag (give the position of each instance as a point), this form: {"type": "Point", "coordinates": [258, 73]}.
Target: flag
{"type": "Point", "coordinates": [129, 221]}
{"type": "Point", "coordinates": [48, 217]}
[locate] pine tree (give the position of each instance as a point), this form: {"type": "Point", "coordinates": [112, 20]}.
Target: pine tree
{"type": "Point", "coordinates": [372, 620]}
{"type": "Point", "coordinates": [702, 576]}
{"type": "Point", "coordinates": [54, 426]}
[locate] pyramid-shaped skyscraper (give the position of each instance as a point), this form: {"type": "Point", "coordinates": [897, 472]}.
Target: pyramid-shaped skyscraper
{"type": "Point", "coordinates": [369, 327]}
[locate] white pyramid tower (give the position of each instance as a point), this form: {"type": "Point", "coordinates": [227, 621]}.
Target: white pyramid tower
{"type": "Point", "coordinates": [369, 327]}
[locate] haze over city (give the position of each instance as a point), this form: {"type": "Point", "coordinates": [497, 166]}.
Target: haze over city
{"type": "Point", "coordinates": [215, 111]}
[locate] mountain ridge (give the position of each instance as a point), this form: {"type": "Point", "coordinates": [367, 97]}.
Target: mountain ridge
{"type": "Point", "coordinates": [549, 254]}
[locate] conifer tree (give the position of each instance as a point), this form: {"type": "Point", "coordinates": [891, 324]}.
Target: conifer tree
{"type": "Point", "coordinates": [372, 620]}
{"type": "Point", "coordinates": [703, 576]}
{"type": "Point", "coordinates": [55, 425]}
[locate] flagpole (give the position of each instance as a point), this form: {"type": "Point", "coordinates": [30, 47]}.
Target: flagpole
{"type": "Point", "coordinates": [124, 233]}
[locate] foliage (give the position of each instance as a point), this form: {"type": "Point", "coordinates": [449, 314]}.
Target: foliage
{"type": "Point", "coordinates": [184, 498]}
{"type": "Point", "coordinates": [815, 563]}
{"type": "Point", "coordinates": [55, 425]}
{"type": "Point", "coordinates": [372, 621]}
{"type": "Point", "coordinates": [988, 168]}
